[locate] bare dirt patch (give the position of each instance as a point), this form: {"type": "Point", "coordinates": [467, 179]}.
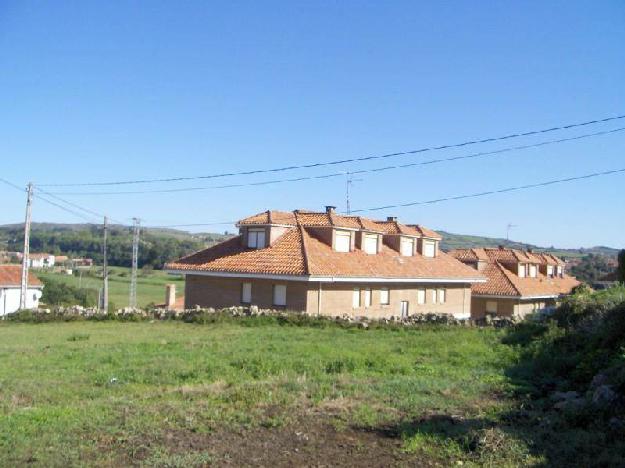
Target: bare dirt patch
{"type": "Point", "coordinates": [313, 441]}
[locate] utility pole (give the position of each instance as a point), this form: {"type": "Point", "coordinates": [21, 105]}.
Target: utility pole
{"type": "Point", "coordinates": [135, 257]}
{"type": "Point", "coordinates": [26, 256]}
{"type": "Point", "coordinates": [348, 182]}
{"type": "Point", "coordinates": [105, 271]}
{"type": "Point", "coordinates": [508, 227]}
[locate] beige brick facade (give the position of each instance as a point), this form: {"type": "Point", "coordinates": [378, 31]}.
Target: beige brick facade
{"type": "Point", "coordinates": [509, 307]}
{"type": "Point", "coordinates": [330, 299]}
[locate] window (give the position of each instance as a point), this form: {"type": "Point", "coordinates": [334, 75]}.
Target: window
{"type": "Point", "coordinates": [521, 270]}
{"type": "Point", "coordinates": [420, 296]}
{"type": "Point", "coordinates": [368, 297]}
{"type": "Point", "coordinates": [385, 297]}
{"type": "Point", "coordinates": [371, 244]}
{"type": "Point", "coordinates": [246, 293]}
{"type": "Point", "coordinates": [559, 270]}
{"type": "Point", "coordinates": [433, 296]}
{"type": "Point", "coordinates": [256, 238]}
{"type": "Point", "coordinates": [491, 307]}
{"type": "Point", "coordinates": [533, 271]}
{"type": "Point", "coordinates": [342, 241]}
{"type": "Point", "coordinates": [549, 270]}
{"type": "Point", "coordinates": [406, 247]}
{"type": "Point", "coordinates": [442, 296]}
{"type": "Point", "coordinates": [356, 298]}
{"type": "Point", "coordinates": [429, 248]}
{"type": "Point", "coordinates": [279, 294]}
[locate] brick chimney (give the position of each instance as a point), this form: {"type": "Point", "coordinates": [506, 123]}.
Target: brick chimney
{"type": "Point", "coordinates": [391, 219]}
{"type": "Point", "coordinates": [170, 296]}
{"type": "Point", "coordinates": [330, 209]}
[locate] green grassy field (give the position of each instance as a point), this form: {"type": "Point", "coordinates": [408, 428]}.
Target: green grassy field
{"type": "Point", "coordinates": [176, 394]}
{"type": "Point", "coordinates": [150, 285]}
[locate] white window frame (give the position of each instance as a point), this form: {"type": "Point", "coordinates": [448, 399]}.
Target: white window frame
{"type": "Point", "coordinates": [442, 296]}
{"type": "Point", "coordinates": [279, 294]}
{"type": "Point", "coordinates": [344, 236]}
{"type": "Point", "coordinates": [404, 242]}
{"type": "Point", "coordinates": [356, 298]}
{"type": "Point", "coordinates": [370, 244]}
{"type": "Point", "coordinates": [533, 271]}
{"type": "Point", "coordinates": [559, 269]}
{"type": "Point", "coordinates": [549, 270]}
{"type": "Point", "coordinates": [246, 293]}
{"type": "Point", "coordinates": [429, 248]}
{"type": "Point", "coordinates": [385, 292]}
{"type": "Point", "coordinates": [522, 270]}
{"type": "Point", "coordinates": [421, 296]}
{"type": "Point", "coordinates": [368, 297]}
{"type": "Point", "coordinates": [254, 237]}
{"type": "Point", "coordinates": [433, 296]}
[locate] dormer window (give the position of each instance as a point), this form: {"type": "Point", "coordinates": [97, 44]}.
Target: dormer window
{"type": "Point", "coordinates": [559, 270]}
{"type": "Point", "coordinates": [256, 238]}
{"type": "Point", "coordinates": [406, 247]}
{"type": "Point", "coordinates": [342, 241]}
{"type": "Point", "coordinates": [370, 244]}
{"type": "Point", "coordinates": [521, 270]}
{"type": "Point", "coordinates": [532, 272]}
{"type": "Point", "coordinates": [550, 270]}
{"type": "Point", "coordinates": [429, 248]}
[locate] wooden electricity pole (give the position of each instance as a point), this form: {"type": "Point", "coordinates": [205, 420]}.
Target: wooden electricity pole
{"type": "Point", "coordinates": [105, 272]}
{"type": "Point", "coordinates": [26, 254]}
{"type": "Point", "coordinates": [135, 261]}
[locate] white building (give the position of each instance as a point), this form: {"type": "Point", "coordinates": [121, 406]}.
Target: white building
{"type": "Point", "coordinates": [41, 260]}
{"type": "Point", "coordinates": [10, 285]}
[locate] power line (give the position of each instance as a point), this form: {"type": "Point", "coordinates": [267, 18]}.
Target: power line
{"type": "Point", "coordinates": [493, 192]}
{"type": "Point", "coordinates": [340, 161]}
{"type": "Point", "coordinates": [440, 200]}
{"type": "Point", "coordinates": [357, 172]}
{"type": "Point", "coordinates": [74, 205]}
{"type": "Point", "coordinates": [11, 184]}
{"type": "Point", "coordinates": [68, 210]}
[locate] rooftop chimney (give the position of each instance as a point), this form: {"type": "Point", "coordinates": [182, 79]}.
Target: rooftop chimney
{"type": "Point", "coordinates": [391, 218]}
{"type": "Point", "coordinates": [330, 209]}
{"type": "Point", "coordinates": [501, 247]}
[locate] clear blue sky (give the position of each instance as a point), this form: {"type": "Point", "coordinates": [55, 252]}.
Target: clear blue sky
{"type": "Point", "coordinates": [94, 91]}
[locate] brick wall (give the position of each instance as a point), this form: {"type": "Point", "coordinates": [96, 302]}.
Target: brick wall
{"type": "Point", "coordinates": [336, 299]}
{"type": "Point", "coordinates": [208, 291]}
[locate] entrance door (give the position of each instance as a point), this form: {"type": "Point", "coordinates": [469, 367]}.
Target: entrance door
{"type": "Point", "coordinates": [404, 309]}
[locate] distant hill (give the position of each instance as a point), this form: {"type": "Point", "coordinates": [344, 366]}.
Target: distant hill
{"type": "Point", "coordinates": [463, 241]}
{"type": "Point", "coordinates": [162, 245]}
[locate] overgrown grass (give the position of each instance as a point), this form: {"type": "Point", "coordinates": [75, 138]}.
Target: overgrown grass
{"type": "Point", "coordinates": [94, 393]}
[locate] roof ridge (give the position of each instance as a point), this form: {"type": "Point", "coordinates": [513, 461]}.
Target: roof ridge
{"type": "Point", "coordinates": [505, 274]}
{"type": "Point", "coordinates": [304, 249]}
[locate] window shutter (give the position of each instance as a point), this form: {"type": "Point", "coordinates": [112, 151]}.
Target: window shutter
{"type": "Point", "coordinates": [342, 241]}
{"type": "Point", "coordinates": [279, 295]}
{"type": "Point", "coordinates": [371, 244]}
{"type": "Point", "coordinates": [246, 293]}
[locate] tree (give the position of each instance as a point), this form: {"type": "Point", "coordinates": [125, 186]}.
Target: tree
{"type": "Point", "coordinates": [620, 269]}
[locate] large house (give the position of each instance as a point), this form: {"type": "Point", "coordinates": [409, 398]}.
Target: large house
{"type": "Point", "coordinates": [323, 263]}
{"type": "Point", "coordinates": [41, 260]}
{"type": "Point", "coordinates": [10, 289]}
{"type": "Point", "coordinates": [519, 282]}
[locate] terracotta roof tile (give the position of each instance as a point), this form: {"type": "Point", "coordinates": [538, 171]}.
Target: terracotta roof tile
{"type": "Point", "coordinates": [503, 282]}
{"type": "Point", "coordinates": [11, 275]}
{"type": "Point", "coordinates": [425, 232]}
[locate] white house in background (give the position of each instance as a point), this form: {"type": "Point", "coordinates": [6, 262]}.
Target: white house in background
{"type": "Point", "coordinates": [42, 260]}
{"type": "Point", "coordinates": [10, 285]}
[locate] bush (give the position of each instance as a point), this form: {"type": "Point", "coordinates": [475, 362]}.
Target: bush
{"type": "Point", "coordinates": [57, 293]}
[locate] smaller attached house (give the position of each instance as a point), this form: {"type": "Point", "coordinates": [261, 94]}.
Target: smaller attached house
{"type": "Point", "coordinates": [519, 282]}
{"type": "Point", "coordinates": [10, 289]}
{"type": "Point", "coordinates": [41, 260]}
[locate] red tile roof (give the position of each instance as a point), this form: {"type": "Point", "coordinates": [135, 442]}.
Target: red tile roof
{"type": "Point", "coordinates": [11, 275]}
{"type": "Point", "coordinates": [503, 282]}
{"type": "Point", "coordinates": [425, 232]}
{"type": "Point", "coordinates": [299, 253]}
